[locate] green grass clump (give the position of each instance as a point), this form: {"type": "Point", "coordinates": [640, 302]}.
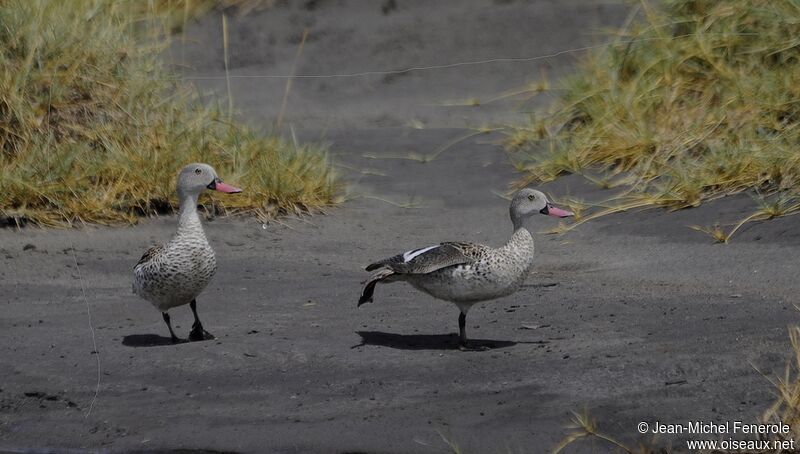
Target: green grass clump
{"type": "Point", "coordinates": [697, 100]}
{"type": "Point", "coordinates": [94, 129]}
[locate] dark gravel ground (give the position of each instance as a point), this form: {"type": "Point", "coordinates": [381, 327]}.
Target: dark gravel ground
{"type": "Point", "coordinates": [635, 316]}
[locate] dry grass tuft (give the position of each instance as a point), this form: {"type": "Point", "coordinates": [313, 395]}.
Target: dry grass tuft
{"type": "Point", "coordinates": [583, 426]}
{"type": "Point", "coordinates": [94, 129]}
{"type": "Point", "coordinates": [786, 408]}
{"type": "Point", "coordinates": [701, 99]}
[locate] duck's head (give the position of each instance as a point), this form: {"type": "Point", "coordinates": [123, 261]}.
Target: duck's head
{"type": "Point", "coordinates": [528, 202]}
{"type": "Point", "coordinates": [196, 178]}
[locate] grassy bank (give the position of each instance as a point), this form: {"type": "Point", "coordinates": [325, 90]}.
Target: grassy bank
{"type": "Point", "coordinates": [93, 128]}
{"type": "Point", "coordinates": [697, 99]}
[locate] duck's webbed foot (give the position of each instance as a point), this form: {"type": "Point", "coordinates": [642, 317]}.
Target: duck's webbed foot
{"type": "Point", "coordinates": [199, 334]}
{"type": "Point", "coordinates": [463, 343]}
{"type": "Point", "coordinates": [173, 337]}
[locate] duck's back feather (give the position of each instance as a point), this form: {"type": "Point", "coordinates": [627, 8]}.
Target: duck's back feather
{"type": "Point", "coordinates": [431, 258]}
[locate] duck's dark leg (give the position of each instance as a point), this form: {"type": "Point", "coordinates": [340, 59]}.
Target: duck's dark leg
{"type": "Point", "coordinates": [175, 339]}
{"type": "Point", "coordinates": [198, 333]}
{"type": "Point", "coordinates": [462, 330]}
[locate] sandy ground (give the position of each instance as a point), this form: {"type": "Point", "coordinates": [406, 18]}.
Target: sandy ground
{"type": "Point", "coordinates": [635, 317]}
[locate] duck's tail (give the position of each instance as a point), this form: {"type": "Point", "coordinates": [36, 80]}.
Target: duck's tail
{"type": "Point", "coordinates": [369, 285]}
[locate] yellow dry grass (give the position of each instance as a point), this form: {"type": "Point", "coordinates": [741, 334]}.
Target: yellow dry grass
{"type": "Point", "coordinates": [786, 408]}
{"type": "Point", "coordinates": [93, 128]}
{"type": "Point", "coordinates": [698, 100]}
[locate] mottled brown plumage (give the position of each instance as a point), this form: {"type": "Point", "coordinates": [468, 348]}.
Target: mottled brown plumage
{"type": "Point", "coordinates": [467, 273]}
{"type": "Point", "coordinates": [177, 272]}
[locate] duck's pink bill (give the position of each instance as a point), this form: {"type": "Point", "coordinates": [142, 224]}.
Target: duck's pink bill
{"type": "Point", "coordinates": [558, 212]}
{"type": "Point", "coordinates": [223, 187]}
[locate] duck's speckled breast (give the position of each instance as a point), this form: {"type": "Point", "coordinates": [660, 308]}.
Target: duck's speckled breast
{"type": "Point", "coordinates": [178, 274]}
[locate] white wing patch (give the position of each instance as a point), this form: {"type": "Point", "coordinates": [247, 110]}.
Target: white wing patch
{"type": "Point", "coordinates": [409, 256]}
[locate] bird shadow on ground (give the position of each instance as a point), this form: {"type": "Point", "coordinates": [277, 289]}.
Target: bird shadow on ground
{"type": "Point", "coordinates": [149, 340]}
{"type": "Point", "coordinates": [426, 341]}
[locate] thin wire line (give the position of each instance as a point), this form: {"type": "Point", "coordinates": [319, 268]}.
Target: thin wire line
{"type": "Point", "coordinates": [442, 66]}
{"type": "Point", "coordinates": [91, 328]}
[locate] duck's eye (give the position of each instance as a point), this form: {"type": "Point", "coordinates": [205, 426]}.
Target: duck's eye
{"type": "Point", "coordinates": [198, 171]}
{"type": "Point", "coordinates": [531, 197]}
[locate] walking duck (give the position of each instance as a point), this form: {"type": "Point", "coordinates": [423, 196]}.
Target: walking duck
{"type": "Point", "coordinates": [468, 273]}
{"type": "Point", "coordinates": [175, 273]}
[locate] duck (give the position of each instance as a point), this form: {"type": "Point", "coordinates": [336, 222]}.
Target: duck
{"type": "Point", "coordinates": [175, 273]}
{"type": "Point", "coordinates": [468, 273]}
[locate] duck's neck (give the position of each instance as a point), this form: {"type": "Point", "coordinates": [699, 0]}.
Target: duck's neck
{"type": "Point", "coordinates": [188, 219]}
{"type": "Point", "coordinates": [520, 237]}
{"type": "Point", "coordinates": [521, 245]}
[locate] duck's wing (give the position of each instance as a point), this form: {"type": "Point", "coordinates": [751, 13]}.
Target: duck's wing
{"type": "Point", "coordinates": [428, 259]}
{"type": "Point", "coordinates": [149, 255]}
{"type": "Point", "coordinates": [421, 261]}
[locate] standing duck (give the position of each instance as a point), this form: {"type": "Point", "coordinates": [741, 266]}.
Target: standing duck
{"type": "Point", "coordinates": [174, 274]}
{"type": "Point", "coordinates": [468, 273]}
